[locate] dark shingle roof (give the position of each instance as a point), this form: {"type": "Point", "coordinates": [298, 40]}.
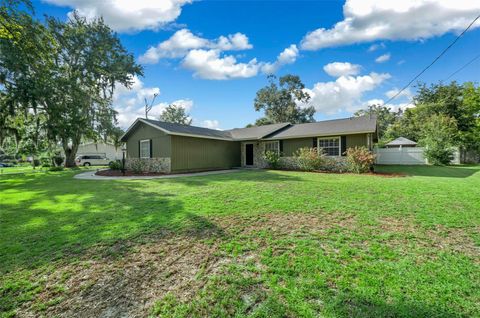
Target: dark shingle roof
{"type": "Point", "coordinates": [274, 131]}
{"type": "Point", "coordinates": [401, 141]}
{"type": "Point", "coordinates": [329, 128]}
{"type": "Point", "coordinates": [256, 132]}
{"type": "Point", "coordinates": [189, 130]}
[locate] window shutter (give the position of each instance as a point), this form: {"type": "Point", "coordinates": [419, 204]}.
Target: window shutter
{"type": "Point", "coordinates": [343, 142]}
{"type": "Point", "coordinates": [314, 142]}
{"type": "Point", "coordinates": [139, 150]}
{"type": "Point", "coordinates": [280, 144]}
{"type": "Point", "coordinates": [151, 153]}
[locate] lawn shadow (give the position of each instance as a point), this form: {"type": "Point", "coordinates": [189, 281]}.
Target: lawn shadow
{"type": "Point", "coordinates": [460, 171]}
{"type": "Point", "coordinates": [251, 175]}
{"type": "Point", "coordinates": [353, 305]}
{"type": "Point", "coordinates": [40, 223]}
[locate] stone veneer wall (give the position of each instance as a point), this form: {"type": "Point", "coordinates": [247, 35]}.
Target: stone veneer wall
{"type": "Point", "coordinates": [162, 165]}
{"type": "Point", "coordinates": [258, 151]}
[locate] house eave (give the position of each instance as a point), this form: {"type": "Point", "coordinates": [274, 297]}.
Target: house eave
{"type": "Point", "coordinates": [321, 135]}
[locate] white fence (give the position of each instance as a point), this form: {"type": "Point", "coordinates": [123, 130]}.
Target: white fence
{"type": "Point", "coordinates": [405, 156]}
{"type": "Point", "coordinates": [400, 156]}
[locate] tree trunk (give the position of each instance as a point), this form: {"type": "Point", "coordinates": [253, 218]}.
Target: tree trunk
{"type": "Point", "coordinates": [70, 153]}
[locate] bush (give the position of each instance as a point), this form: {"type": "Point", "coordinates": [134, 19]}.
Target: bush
{"type": "Point", "coordinates": [115, 165]}
{"type": "Point", "coordinates": [437, 155]}
{"type": "Point", "coordinates": [359, 159]}
{"type": "Point", "coordinates": [272, 158]}
{"type": "Point", "coordinates": [438, 136]}
{"type": "Point", "coordinates": [58, 160]}
{"type": "Point", "coordinates": [58, 168]}
{"type": "Point", "coordinates": [309, 159]}
{"type": "Point", "coordinates": [333, 165]}
{"type": "Point", "coordinates": [36, 162]}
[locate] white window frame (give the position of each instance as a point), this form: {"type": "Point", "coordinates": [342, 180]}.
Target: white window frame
{"type": "Point", "coordinates": [149, 148]}
{"type": "Point", "coordinates": [328, 138]}
{"type": "Point", "coordinates": [277, 142]}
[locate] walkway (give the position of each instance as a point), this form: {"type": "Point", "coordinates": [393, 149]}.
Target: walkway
{"type": "Point", "coordinates": [90, 175]}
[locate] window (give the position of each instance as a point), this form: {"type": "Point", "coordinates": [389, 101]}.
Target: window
{"type": "Point", "coordinates": [145, 148]}
{"type": "Point", "coordinates": [330, 146]}
{"type": "Point", "coordinates": [272, 146]}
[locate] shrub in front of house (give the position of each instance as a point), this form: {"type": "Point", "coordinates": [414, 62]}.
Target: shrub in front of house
{"type": "Point", "coordinates": [309, 159]}
{"type": "Point", "coordinates": [359, 159]}
{"type": "Point", "coordinates": [156, 165]}
{"type": "Point", "coordinates": [334, 165]}
{"type": "Point", "coordinates": [115, 165]}
{"type": "Point", "coordinates": [272, 159]}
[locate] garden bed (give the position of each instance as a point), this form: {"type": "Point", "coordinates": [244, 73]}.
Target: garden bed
{"type": "Point", "coordinates": [375, 173]}
{"type": "Point", "coordinates": [128, 173]}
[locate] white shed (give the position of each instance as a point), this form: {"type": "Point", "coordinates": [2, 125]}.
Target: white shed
{"type": "Point", "coordinates": [401, 142]}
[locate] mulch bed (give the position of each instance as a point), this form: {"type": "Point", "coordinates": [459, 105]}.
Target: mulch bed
{"type": "Point", "coordinates": [118, 173]}
{"type": "Point", "coordinates": [377, 174]}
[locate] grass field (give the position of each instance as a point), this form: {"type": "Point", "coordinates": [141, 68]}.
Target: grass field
{"type": "Point", "coordinates": [245, 244]}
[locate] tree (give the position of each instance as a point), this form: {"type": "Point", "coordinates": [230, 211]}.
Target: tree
{"type": "Point", "coordinates": [458, 102]}
{"type": "Point", "coordinates": [385, 117]}
{"type": "Point", "coordinates": [176, 114]}
{"type": "Point", "coordinates": [438, 138]}
{"type": "Point", "coordinates": [91, 62]}
{"type": "Point", "coordinates": [281, 102]}
{"type": "Point", "coordinates": [66, 72]}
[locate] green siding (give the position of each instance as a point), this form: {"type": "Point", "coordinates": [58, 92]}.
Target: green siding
{"type": "Point", "coordinates": [190, 154]}
{"type": "Point", "coordinates": [357, 140]}
{"type": "Point", "coordinates": [290, 146]}
{"type": "Point", "coordinates": [161, 142]}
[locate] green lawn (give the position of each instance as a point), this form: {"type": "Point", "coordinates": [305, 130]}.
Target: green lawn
{"type": "Point", "coordinates": [245, 244]}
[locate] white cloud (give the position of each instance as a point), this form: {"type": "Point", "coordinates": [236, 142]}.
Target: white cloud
{"type": "Point", "coordinates": [372, 20]}
{"type": "Point", "coordinates": [127, 15]}
{"type": "Point", "coordinates": [212, 124]}
{"type": "Point", "coordinates": [343, 94]}
{"type": "Point", "coordinates": [287, 56]}
{"type": "Point", "coordinates": [383, 58]}
{"type": "Point", "coordinates": [208, 64]}
{"type": "Point", "coordinates": [337, 69]}
{"type": "Point", "coordinates": [183, 41]}
{"type": "Point", "coordinates": [393, 107]}
{"type": "Point", "coordinates": [405, 93]}
{"type": "Point", "coordinates": [130, 104]}
{"type": "Point", "coordinates": [375, 47]}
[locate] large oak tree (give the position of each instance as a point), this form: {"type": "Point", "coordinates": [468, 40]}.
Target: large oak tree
{"type": "Point", "coordinates": [66, 71]}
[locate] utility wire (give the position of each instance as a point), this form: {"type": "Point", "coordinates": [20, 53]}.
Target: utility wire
{"type": "Point", "coordinates": [461, 68]}
{"type": "Point", "coordinates": [433, 62]}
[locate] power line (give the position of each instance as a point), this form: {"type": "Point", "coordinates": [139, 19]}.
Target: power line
{"type": "Point", "coordinates": [461, 68]}
{"type": "Point", "coordinates": [433, 62]}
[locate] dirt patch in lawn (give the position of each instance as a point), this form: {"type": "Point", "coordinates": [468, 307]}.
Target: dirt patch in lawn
{"type": "Point", "coordinates": [437, 239]}
{"type": "Point", "coordinates": [125, 279]}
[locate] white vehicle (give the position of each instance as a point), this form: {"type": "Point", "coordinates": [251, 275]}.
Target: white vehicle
{"type": "Point", "coordinates": [92, 160]}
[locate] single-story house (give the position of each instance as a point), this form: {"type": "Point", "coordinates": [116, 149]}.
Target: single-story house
{"type": "Point", "coordinates": [175, 148]}
{"type": "Point", "coordinates": [401, 142]}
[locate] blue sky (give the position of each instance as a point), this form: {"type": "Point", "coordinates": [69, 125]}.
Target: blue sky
{"type": "Point", "coordinates": [212, 56]}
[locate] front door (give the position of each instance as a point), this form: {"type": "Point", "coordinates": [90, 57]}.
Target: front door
{"type": "Point", "coordinates": [249, 154]}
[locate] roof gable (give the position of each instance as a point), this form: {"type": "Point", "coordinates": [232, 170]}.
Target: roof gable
{"type": "Point", "coordinates": [401, 141]}
{"type": "Point", "coordinates": [256, 132]}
